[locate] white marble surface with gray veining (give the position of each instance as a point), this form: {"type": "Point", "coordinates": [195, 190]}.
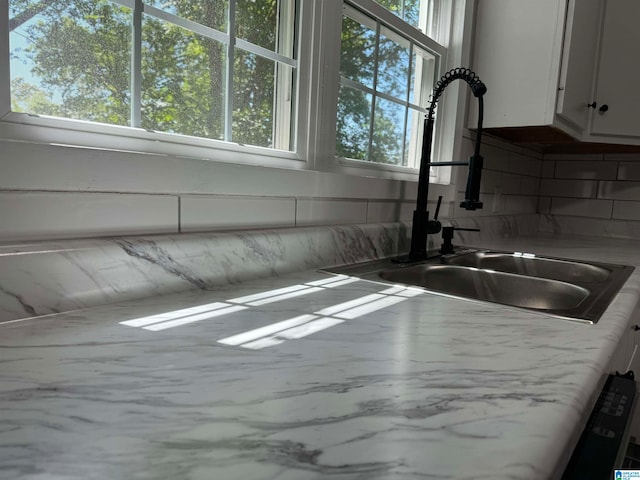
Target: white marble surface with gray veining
{"type": "Point", "coordinates": [53, 277]}
{"type": "Point", "coordinates": [424, 387]}
{"type": "Point", "coordinates": [49, 277]}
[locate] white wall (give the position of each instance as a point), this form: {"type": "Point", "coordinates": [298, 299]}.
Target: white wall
{"type": "Point", "coordinates": [49, 191]}
{"type": "Point", "coordinates": [53, 191]}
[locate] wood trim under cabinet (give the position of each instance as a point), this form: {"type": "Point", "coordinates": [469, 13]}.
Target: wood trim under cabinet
{"type": "Point", "coordinates": [548, 140]}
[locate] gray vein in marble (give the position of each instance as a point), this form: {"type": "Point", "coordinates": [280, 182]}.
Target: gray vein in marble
{"type": "Point", "coordinates": [149, 251]}
{"type": "Point", "coordinates": [20, 300]}
{"type": "Point", "coordinates": [89, 274]}
{"type": "Point", "coordinates": [268, 249]}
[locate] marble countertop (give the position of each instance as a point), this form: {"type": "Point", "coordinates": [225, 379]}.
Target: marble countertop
{"type": "Point", "coordinates": [307, 376]}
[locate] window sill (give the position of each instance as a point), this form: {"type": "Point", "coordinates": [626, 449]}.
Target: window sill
{"type": "Point", "coordinates": [76, 133]}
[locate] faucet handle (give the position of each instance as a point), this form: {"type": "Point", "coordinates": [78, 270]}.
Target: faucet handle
{"type": "Point", "coordinates": [447, 237]}
{"type": "Point", "coordinates": [435, 216]}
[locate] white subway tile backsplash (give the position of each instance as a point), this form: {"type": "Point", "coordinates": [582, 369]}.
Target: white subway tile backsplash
{"type": "Point", "coordinates": [622, 157]}
{"type": "Point", "coordinates": [548, 168]}
{"type": "Point", "coordinates": [581, 157]}
{"type": "Point", "coordinates": [495, 158]}
{"type": "Point", "coordinates": [525, 164]}
{"type": "Point", "coordinates": [330, 212]}
{"type": "Point", "coordinates": [619, 190]}
{"type": "Point", "coordinates": [544, 205]}
{"type": "Point", "coordinates": [510, 179]}
{"type": "Point", "coordinates": [204, 212]}
{"type": "Point", "coordinates": [568, 188]}
{"type": "Point", "coordinates": [507, 183]}
{"type": "Point", "coordinates": [520, 203]}
{"type": "Point", "coordinates": [384, 211]}
{"type": "Point", "coordinates": [46, 215]}
{"type": "Point", "coordinates": [582, 207]}
{"type": "Point", "coordinates": [589, 226]}
{"type": "Point", "coordinates": [502, 160]}
{"type": "Point", "coordinates": [604, 190]}
{"type": "Point", "coordinates": [625, 210]}
{"type": "Point", "coordinates": [629, 171]}
{"type": "Point", "coordinates": [529, 186]}
{"type": "Point", "coordinates": [590, 170]}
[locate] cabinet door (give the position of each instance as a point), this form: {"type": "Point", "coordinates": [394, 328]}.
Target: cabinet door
{"type": "Point", "coordinates": [618, 71]}
{"type": "Point", "coordinates": [578, 61]}
{"type": "Point", "coordinates": [517, 52]}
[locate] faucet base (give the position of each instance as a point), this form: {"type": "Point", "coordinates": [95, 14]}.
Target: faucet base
{"type": "Point", "coordinates": [409, 258]}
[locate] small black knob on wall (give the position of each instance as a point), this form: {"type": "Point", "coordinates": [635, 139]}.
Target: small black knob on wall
{"type": "Point", "coordinates": [592, 105]}
{"type": "Point", "coordinates": [636, 328]}
{"type": "Point", "coordinates": [603, 108]}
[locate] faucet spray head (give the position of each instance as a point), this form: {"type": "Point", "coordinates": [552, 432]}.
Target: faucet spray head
{"type": "Point", "coordinates": [472, 193]}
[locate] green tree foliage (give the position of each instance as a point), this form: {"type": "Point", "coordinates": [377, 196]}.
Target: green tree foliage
{"type": "Point", "coordinates": [80, 55]}
{"type": "Point", "coordinates": [26, 97]}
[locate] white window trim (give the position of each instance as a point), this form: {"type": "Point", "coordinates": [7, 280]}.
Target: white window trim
{"type": "Point", "coordinates": [452, 106]}
{"type": "Point", "coordinates": [318, 70]}
{"type": "Point", "coordinates": [5, 77]}
{"type": "Point", "coordinates": [78, 133]}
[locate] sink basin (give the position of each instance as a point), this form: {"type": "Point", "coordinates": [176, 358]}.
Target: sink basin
{"type": "Point", "coordinates": [491, 286]}
{"type": "Point", "coordinates": [568, 289]}
{"type": "Point", "coordinates": [525, 264]}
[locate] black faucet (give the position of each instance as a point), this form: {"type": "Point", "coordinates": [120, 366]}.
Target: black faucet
{"type": "Point", "coordinates": [422, 226]}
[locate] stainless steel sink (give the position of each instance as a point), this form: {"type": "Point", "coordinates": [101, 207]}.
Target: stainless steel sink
{"type": "Point", "coordinates": [491, 286]}
{"type": "Point", "coordinates": [530, 265]}
{"type": "Point", "coordinates": [569, 289]}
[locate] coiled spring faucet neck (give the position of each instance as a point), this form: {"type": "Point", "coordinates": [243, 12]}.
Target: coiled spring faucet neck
{"type": "Point", "coordinates": [477, 88]}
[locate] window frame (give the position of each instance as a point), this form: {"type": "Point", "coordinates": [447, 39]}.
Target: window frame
{"type": "Point", "coordinates": [453, 29]}
{"type": "Point", "coordinates": [416, 40]}
{"type": "Point", "coordinates": [63, 131]}
{"type": "Point", "coordinates": [316, 96]}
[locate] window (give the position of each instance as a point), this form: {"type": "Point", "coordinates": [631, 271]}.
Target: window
{"type": "Point", "coordinates": [383, 80]}
{"type": "Point", "coordinates": [386, 75]}
{"type": "Point", "coordinates": [419, 14]}
{"type": "Point", "coordinates": [239, 81]}
{"type": "Point", "coordinates": [217, 69]}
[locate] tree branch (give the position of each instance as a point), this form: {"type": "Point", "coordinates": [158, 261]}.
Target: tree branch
{"type": "Point", "coordinates": [30, 12]}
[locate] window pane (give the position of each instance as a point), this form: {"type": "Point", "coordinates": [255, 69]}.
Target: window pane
{"type": "Point", "coordinates": [388, 132]}
{"type": "Point", "coordinates": [412, 12]}
{"type": "Point", "coordinates": [210, 13]}
{"type": "Point", "coordinates": [72, 60]}
{"type": "Point", "coordinates": [408, 10]}
{"type": "Point", "coordinates": [393, 65]}
{"type": "Point", "coordinates": [253, 99]}
{"type": "Point", "coordinates": [182, 81]}
{"type": "Point", "coordinates": [257, 22]}
{"type": "Point", "coordinates": [354, 120]}
{"type": "Point", "coordinates": [357, 54]}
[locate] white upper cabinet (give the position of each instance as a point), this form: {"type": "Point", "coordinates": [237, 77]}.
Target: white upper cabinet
{"type": "Point", "coordinates": [517, 53]}
{"type": "Point", "coordinates": [578, 62]}
{"type": "Point", "coordinates": [618, 78]}
{"type": "Point", "coordinates": [546, 62]}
